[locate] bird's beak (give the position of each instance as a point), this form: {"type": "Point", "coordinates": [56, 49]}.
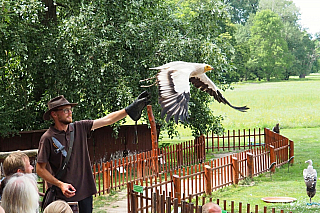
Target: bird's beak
{"type": "Point", "coordinates": [208, 69]}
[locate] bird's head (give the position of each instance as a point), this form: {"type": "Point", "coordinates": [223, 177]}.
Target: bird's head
{"type": "Point", "coordinates": [309, 162]}
{"type": "Point", "coordinates": [208, 68]}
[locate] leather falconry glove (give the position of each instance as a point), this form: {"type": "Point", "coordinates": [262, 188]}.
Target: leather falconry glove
{"type": "Point", "coordinates": [134, 110]}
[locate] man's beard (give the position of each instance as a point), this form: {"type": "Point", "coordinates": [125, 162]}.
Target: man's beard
{"type": "Point", "coordinates": [65, 121]}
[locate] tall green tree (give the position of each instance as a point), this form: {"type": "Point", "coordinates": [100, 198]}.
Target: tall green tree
{"type": "Point", "coordinates": [240, 10]}
{"type": "Point", "coordinates": [95, 53]}
{"type": "Point", "coordinates": [300, 45]}
{"type": "Point", "coordinates": [269, 50]}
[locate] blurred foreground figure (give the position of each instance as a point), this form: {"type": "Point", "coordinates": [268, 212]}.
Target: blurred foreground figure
{"type": "Point", "coordinates": [211, 208]}
{"type": "Point", "coordinates": [21, 194]}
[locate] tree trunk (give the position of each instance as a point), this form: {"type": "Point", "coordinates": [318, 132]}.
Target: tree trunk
{"type": "Point", "coordinates": [302, 76]}
{"type": "Point", "coordinates": [51, 13]}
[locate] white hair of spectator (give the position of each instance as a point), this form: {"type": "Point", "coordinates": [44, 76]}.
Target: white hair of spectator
{"type": "Point", "coordinates": [58, 206]}
{"type": "Point", "coordinates": [21, 194]}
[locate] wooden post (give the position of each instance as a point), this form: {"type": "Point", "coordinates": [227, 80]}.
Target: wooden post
{"type": "Point", "coordinates": [153, 202]}
{"type": "Point", "coordinates": [168, 204]}
{"type": "Point", "coordinates": [272, 158]}
{"type": "Point", "coordinates": [266, 137]}
{"type": "Point", "coordinates": [177, 187]}
{"type": "Point", "coordinates": [139, 166]}
{"type": "Point", "coordinates": [104, 178]}
{"type": "Point", "coordinates": [250, 164]}
{"type": "Point", "coordinates": [175, 205]}
{"type": "Point", "coordinates": [129, 196]}
{"type": "Point", "coordinates": [235, 167]}
{"type": "Point", "coordinates": [154, 138]}
{"type": "Point", "coordinates": [208, 178]}
{"type": "Point", "coordinates": [291, 151]}
{"type": "Point", "coordinates": [134, 202]}
{"type": "Point", "coordinates": [162, 203]}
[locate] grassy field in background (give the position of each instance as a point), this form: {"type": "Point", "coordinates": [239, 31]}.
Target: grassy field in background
{"type": "Point", "coordinates": [293, 104]}
{"type": "Point", "coordinates": [283, 183]}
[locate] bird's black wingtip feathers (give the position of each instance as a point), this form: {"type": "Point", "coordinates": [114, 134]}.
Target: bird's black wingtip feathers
{"type": "Point", "coordinates": [241, 109]}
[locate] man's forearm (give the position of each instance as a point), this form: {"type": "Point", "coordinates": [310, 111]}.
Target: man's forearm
{"type": "Point", "coordinates": [109, 119]}
{"type": "Point", "coordinates": [45, 175]}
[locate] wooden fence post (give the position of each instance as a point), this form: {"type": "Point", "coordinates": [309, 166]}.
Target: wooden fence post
{"type": "Point", "coordinates": [179, 154]}
{"type": "Point", "coordinates": [154, 138]}
{"type": "Point", "coordinates": [154, 202]}
{"type": "Point", "coordinates": [266, 142]}
{"type": "Point", "coordinates": [134, 202]}
{"type": "Point", "coordinates": [250, 164]}
{"type": "Point", "coordinates": [291, 151]}
{"type": "Point", "coordinates": [129, 197]}
{"type": "Point", "coordinates": [139, 166]}
{"type": "Point", "coordinates": [177, 187]}
{"type": "Point", "coordinates": [175, 205]}
{"type": "Point", "coordinates": [104, 178]}
{"type": "Point", "coordinates": [272, 158]}
{"type": "Point", "coordinates": [208, 179]}
{"type": "Point", "coordinates": [235, 166]}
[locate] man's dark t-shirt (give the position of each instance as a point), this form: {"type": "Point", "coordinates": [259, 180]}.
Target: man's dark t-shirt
{"type": "Point", "coordinates": [79, 172]}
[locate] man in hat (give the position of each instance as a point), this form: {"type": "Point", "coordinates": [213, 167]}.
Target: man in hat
{"type": "Point", "coordinates": [78, 183]}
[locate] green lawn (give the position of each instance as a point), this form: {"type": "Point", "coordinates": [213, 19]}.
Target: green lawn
{"type": "Point", "coordinates": [295, 104]}
{"type": "Point", "coordinates": [283, 183]}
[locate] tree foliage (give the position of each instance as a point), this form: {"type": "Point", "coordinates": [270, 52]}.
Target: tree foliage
{"type": "Point", "coordinates": [301, 56]}
{"type": "Point", "coordinates": [240, 10]}
{"type": "Point", "coordinates": [269, 51]}
{"type": "Point", "coordinates": [95, 53]}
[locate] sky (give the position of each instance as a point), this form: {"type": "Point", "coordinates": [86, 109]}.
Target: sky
{"type": "Point", "coordinates": [310, 14]}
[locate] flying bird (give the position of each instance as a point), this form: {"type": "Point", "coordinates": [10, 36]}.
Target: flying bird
{"type": "Point", "coordinates": [310, 178]}
{"type": "Point", "coordinates": [174, 89]}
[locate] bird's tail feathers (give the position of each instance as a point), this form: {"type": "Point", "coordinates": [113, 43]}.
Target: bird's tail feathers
{"type": "Point", "coordinates": [241, 109]}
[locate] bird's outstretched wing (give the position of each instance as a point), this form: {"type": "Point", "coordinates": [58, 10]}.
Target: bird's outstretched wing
{"type": "Point", "coordinates": [174, 89]}
{"type": "Point", "coordinates": [205, 84]}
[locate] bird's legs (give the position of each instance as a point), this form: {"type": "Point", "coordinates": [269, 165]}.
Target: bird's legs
{"type": "Point", "coordinates": [147, 79]}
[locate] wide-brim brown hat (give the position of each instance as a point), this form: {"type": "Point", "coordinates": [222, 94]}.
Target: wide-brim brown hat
{"type": "Point", "coordinates": [55, 103]}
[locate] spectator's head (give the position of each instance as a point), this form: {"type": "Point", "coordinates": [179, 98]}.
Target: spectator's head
{"type": "Point", "coordinates": [21, 194]}
{"type": "Point", "coordinates": [58, 206]}
{"type": "Point", "coordinates": [211, 208]}
{"type": "Point", "coordinates": [17, 162]}
{"type": "Point", "coordinates": [1, 209]}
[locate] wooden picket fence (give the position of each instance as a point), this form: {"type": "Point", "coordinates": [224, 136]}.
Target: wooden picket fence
{"type": "Point", "coordinates": [164, 204]}
{"type": "Point", "coordinates": [207, 177]}
{"type": "Point", "coordinates": [117, 173]}
{"type": "Point", "coordinates": [236, 140]}
{"type": "Point", "coordinates": [233, 140]}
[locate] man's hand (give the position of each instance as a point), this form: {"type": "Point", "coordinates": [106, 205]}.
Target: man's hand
{"type": "Point", "coordinates": [67, 190]}
{"type": "Point", "coordinates": [134, 110]}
